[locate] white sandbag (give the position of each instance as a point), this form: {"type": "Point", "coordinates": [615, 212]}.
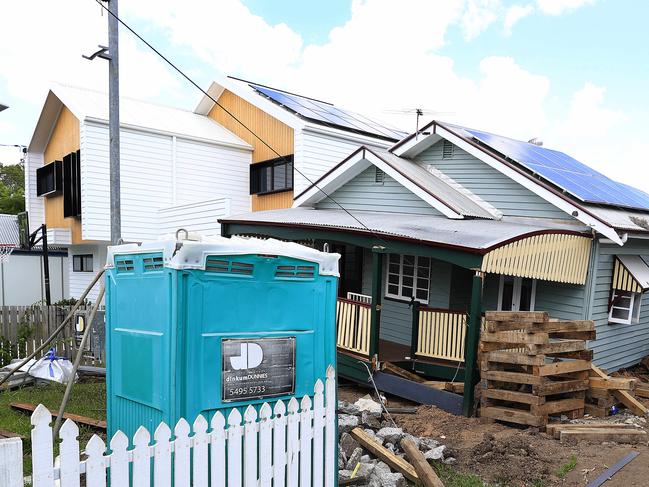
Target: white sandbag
{"type": "Point", "coordinates": [51, 367]}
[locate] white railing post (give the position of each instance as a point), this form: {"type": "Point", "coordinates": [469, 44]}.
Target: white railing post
{"type": "Point", "coordinates": [141, 458]}
{"type": "Point", "coordinates": [96, 462]}
{"type": "Point", "coordinates": [182, 446]}
{"type": "Point", "coordinates": [306, 432]}
{"type": "Point", "coordinates": [11, 462]}
{"type": "Point", "coordinates": [119, 459]}
{"type": "Point", "coordinates": [318, 426]}
{"type": "Point", "coordinates": [69, 454]}
{"type": "Point", "coordinates": [217, 449]}
{"type": "Point", "coordinates": [265, 446]}
{"type": "Point", "coordinates": [279, 444]}
{"type": "Point", "coordinates": [200, 442]}
{"type": "Point", "coordinates": [331, 425]}
{"type": "Point", "coordinates": [42, 448]}
{"type": "Point", "coordinates": [162, 454]}
{"type": "Point", "coordinates": [234, 448]}
{"type": "Point", "coordinates": [250, 447]}
{"type": "Point", "coordinates": [293, 444]}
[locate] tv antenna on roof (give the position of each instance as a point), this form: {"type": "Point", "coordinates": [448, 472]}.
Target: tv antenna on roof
{"type": "Point", "coordinates": [418, 112]}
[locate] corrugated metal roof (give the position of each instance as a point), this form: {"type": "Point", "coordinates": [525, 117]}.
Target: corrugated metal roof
{"type": "Point", "coordinates": [620, 218]}
{"type": "Point", "coordinates": [478, 235]}
{"type": "Point", "coordinates": [448, 191]}
{"type": "Point", "coordinates": [9, 233]}
{"type": "Point", "coordinates": [86, 103]}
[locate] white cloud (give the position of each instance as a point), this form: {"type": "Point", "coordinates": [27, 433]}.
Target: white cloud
{"type": "Point", "coordinates": [514, 14]}
{"type": "Point", "coordinates": [50, 46]}
{"type": "Point", "coordinates": [558, 7]}
{"type": "Point", "coordinates": [479, 15]}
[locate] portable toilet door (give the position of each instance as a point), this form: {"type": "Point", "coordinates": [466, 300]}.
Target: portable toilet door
{"type": "Point", "coordinates": [215, 324]}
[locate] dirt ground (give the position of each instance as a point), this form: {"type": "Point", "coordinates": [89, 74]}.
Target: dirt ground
{"type": "Point", "coordinates": [513, 456]}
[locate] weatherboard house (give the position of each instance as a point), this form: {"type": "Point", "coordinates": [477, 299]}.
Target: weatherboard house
{"type": "Point", "coordinates": [450, 222]}
{"type": "Point", "coordinates": [244, 147]}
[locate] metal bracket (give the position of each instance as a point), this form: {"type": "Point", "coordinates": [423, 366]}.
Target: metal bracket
{"type": "Point", "coordinates": [101, 53]}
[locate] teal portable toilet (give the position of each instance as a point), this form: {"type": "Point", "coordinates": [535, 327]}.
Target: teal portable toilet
{"type": "Point", "coordinates": [197, 326]}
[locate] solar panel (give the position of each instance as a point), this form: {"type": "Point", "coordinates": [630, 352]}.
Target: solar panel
{"type": "Point", "coordinates": [565, 172]}
{"type": "Point", "coordinates": [325, 113]}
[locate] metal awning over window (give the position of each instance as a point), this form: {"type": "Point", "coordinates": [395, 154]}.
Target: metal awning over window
{"type": "Point", "coordinates": [630, 273]}
{"type": "Point", "coordinates": [549, 256]}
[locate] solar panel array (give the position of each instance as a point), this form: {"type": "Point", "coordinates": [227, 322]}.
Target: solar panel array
{"type": "Point", "coordinates": [327, 114]}
{"type": "Point", "coordinates": [565, 172]}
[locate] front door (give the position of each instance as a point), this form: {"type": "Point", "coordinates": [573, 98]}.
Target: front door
{"type": "Point", "coordinates": [516, 294]}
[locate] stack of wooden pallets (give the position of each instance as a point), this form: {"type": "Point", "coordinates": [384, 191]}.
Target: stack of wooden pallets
{"type": "Point", "coordinates": [533, 367]}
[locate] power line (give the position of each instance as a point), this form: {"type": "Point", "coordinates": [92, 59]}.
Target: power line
{"type": "Point", "coordinates": [252, 132]}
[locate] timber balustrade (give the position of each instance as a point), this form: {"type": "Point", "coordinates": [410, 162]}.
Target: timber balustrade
{"type": "Point", "coordinates": [353, 326]}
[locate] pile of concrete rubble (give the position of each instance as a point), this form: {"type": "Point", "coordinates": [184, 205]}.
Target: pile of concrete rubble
{"type": "Point", "coordinates": [358, 466]}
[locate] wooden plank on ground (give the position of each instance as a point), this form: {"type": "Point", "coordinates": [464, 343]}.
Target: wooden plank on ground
{"type": "Point", "coordinates": [425, 472]}
{"type": "Point", "coordinates": [456, 387]}
{"type": "Point", "coordinates": [553, 429]}
{"type": "Point", "coordinates": [398, 371]}
{"type": "Point", "coordinates": [10, 434]}
{"type": "Point", "coordinates": [378, 450]}
{"type": "Point", "coordinates": [95, 423]}
{"type": "Point", "coordinates": [642, 391]}
{"type": "Point", "coordinates": [635, 406]}
{"type": "Point", "coordinates": [617, 435]}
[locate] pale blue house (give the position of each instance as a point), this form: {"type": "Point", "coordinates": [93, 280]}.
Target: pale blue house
{"type": "Point", "coordinates": [452, 220]}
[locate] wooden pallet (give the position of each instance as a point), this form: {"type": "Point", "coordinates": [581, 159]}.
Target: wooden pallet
{"type": "Point", "coordinates": [533, 368]}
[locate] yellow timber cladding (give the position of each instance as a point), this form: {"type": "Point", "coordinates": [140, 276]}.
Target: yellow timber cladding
{"type": "Point", "coordinates": [64, 139]}
{"type": "Point", "coordinates": [550, 256]}
{"type": "Point", "coordinates": [276, 134]}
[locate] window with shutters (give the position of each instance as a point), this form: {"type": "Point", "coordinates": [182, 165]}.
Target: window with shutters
{"type": "Point", "coordinates": [408, 276]}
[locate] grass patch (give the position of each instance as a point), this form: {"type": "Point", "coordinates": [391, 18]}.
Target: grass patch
{"type": "Point", "coordinates": [567, 467]}
{"type": "Point", "coordinates": [452, 478]}
{"type": "Point", "coordinates": [87, 399]}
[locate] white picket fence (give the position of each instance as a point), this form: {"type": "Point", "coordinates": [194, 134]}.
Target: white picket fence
{"type": "Point", "coordinates": [290, 445]}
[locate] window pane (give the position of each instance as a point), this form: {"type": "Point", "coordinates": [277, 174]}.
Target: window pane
{"type": "Point", "coordinates": [279, 177]}
{"type": "Point", "coordinates": [406, 291]}
{"type": "Point", "coordinates": [393, 278]}
{"type": "Point", "coordinates": [423, 271]}
{"type": "Point", "coordinates": [394, 268]}
{"type": "Point", "coordinates": [636, 307]}
{"type": "Point", "coordinates": [409, 260]}
{"type": "Point", "coordinates": [408, 270]}
{"type": "Point", "coordinates": [620, 314]}
{"type": "Point", "coordinates": [394, 258]}
{"type": "Point", "coordinates": [392, 289]}
{"type": "Point", "coordinates": [422, 294]}
{"type": "Point", "coordinates": [407, 281]}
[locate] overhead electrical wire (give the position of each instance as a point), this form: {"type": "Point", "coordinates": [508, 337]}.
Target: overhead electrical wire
{"type": "Point", "coordinates": [234, 117]}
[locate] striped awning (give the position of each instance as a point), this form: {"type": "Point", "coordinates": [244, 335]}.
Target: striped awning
{"type": "Point", "coordinates": [630, 273]}
{"type": "Point", "coordinates": [549, 256]}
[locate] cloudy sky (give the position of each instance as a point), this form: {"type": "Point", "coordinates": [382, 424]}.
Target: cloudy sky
{"type": "Point", "coordinates": [572, 72]}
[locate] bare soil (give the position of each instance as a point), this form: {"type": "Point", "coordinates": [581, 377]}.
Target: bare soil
{"type": "Point", "coordinates": [513, 456]}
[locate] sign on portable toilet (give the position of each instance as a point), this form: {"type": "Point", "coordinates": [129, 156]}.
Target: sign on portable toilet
{"type": "Point", "coordinates": [197, 326]}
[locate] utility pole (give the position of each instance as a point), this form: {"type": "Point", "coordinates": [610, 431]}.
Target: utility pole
{"type": "Point", "coordinates": [113, 127]}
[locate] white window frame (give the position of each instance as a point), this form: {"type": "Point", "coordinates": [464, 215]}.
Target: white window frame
{"type": "Point", "coordinates": [516, 293]}
{"type": "Point", "coordinates": [634, 313]}
{"type": "Point", "coordinates": [400, 296]}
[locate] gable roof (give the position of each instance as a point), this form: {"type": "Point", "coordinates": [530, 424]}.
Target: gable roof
{"type": "Point", "coordinates": [435, 131]}
{"type": "Point", "coordinates": [87, 104]}
{"type": "Point", "coordinates": [441, 192]}
{"type": "Point", "coordinates": [298, 111]}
